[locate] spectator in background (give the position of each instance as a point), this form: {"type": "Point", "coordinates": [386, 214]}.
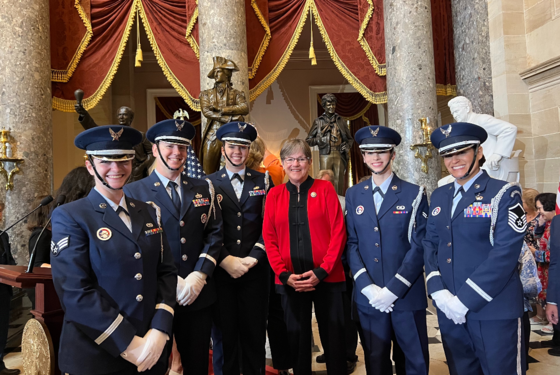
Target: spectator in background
{"type": "Point", "coordinates": [76, 185]}
{"type": "Point", "coordinates": [546, 206]}
{"type": "Point", "coordinates": [534, 231]}
{"type": "Point", "coordinates": [328, 175]}
{"type": "Point", "coordinates": [261, 160]}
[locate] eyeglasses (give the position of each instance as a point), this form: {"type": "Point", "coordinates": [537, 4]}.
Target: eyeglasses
{"type": "Point", "coordinates": [292, 160]}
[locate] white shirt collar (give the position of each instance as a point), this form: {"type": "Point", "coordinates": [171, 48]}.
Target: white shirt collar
{"type": "Point", "coordinates": [385, 185]}
{"type": "Point", "coordinates": [115, 206]}
{"type": "Point", "coordinates": [165, 181]}
{"type": "Point", "coordinates": [468, 184]}
{"type": "Point", "coordinates": [240, 173]}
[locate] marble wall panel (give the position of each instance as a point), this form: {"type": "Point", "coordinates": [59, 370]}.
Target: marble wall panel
{"type": "Point", "coordinates": [538, 15]}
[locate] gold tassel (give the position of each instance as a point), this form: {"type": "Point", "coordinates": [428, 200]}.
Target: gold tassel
{"type": "Point", "coordinates": [311, 49]}
{"type": "Point", "coordinates": [139, 56]}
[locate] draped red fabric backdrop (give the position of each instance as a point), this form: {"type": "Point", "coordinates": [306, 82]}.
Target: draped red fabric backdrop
{"type": "Point", "coordinates": [354, 107]}
{"type": "Point", "coordinates": [351, 29]}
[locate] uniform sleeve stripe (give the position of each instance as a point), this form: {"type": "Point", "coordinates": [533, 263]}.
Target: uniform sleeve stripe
{"type": "Point", "coordinates": [359, 273]}
{"type": "Point", "coordinates": [109, 331]}
{"type": "Point", "coordinates": [477, 289]}
{"type": "Point", "coordinates": [261, 246]}
{"type": "Point", "coordinates": [403, 280]}
{"type": "Point", "coordinates": [165, 307]}
{"type": "Point", "coordinates": [432, 274]}
{"type": "Point", "coordinates": [209, 257]}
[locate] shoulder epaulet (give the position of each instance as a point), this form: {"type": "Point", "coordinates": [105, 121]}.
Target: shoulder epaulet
{"type": "Point", "coordinates": [212, 196]}
{"type": "Point", "coordinates": [495, 205]}
{"type": "Point", "coordinates": [415, 205]}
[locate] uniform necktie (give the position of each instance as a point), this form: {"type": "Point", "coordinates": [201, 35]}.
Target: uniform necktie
{"type": "Point", "coordinates": [174, 195]}
{"type": "Point", "coordinates": [125, 218]}
{"type": "Point", "coordinates": [377, 205]}
{"type": "Point", "coordinates": [456, 198]}
{"type": "Point", "coordinates": [121, 209]}
{"type": "Point", "coordinates": [237, 176]}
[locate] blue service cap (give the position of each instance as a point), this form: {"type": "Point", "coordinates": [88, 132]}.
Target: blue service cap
{"type": "Point", "coordinates": [377, 138]}
{"type": "Point", "coordinates": [172, 131]}
{"type": "Point", "coordinates": [237, 133]}
{"type": "Point", "coordinates": [109, 142]}
{"type": "Point", "coordinates": [456, 137]}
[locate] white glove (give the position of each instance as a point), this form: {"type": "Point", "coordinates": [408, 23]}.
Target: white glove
{"type": "Point", "coordinates": [250, 262]}
{"type": "Point", "coordinates": [371, 292]}
{"type": "Point", "coordinates": [154, 343]}
{"type": "Point", "coordinates": [457, 310]}
{"type": "Point", "coordinates": [494, 161]}
{"type": "Point", "coordinates": [234, 267]}
{"type": "Point", "coordinates": [134, 350]}
{"type": "Point", "coordinates": [384, 300]}
{"type": "Point", "coordinates": [443, 298]}
{"type": "Point", "coordinates": [194, 283]}
{"type": "Point", "coordinates": [182, 289]}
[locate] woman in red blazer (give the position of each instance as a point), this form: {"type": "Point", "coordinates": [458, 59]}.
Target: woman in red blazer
{"type": "Point", "coordinates": [304, 235]}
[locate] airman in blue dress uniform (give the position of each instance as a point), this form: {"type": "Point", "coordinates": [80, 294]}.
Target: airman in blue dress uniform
{"type": "Point", "coordinates": [193, 224]}
{"type": "Point", "coordinates": [386, 223]}
{"type": "Point", "coordinates": [242, 278]}
{"type": "Point", "coordinates": [112, 268]}
{"type": "Point", "coordinates": [473, 238]}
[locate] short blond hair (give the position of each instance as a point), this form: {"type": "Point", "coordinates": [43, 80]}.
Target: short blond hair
{"type": "Point", "coordinates": [529, 196]}
{"type": "Point", "coordinates": [294, 145]}
{"type": "Point", "coordinates": [323, 172]}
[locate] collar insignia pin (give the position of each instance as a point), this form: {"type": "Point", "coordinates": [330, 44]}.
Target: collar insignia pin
{"type": "Point", "coordinates": [394, 187]}
{"type": "Point", "coordinates": [366, 187]}
{"type": "Point", "coordinates": [185, 182]}
{"type": "Point", "coordinates": [248, 174]}
{"type": "Point", "coordinates": [157, 184]}
{"type": "Point", "coordinates": [476, 186]}
{"type": "Point", "coordinates": [132, 204]}
{"type": "Point", "coordinates": [102, 205]}
{"type": "Point", "coordinates": [224, 175]}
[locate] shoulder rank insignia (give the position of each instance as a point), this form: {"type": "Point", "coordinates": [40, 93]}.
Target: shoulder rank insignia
{"type": "Point", "coordinates": [60, 245]}
{"type": "Point", "coordinates": [517, 219]}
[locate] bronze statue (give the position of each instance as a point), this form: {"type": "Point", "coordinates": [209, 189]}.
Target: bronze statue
{"type": "Point", "coordinates": [144, 157]}
{"type": "Point", "coordinates": [330, 133]}
{"type": "Point", "coordinates": [220, 105]}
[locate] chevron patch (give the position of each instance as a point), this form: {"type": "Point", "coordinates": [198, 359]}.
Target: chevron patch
{"type": "Point", "coordinates": [60, 245]}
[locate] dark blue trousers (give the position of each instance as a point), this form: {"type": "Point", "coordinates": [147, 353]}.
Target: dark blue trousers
{"type": "Point", "coordinates": [489, 347]}
{"type": "Point", "coordinates": [409, 329]}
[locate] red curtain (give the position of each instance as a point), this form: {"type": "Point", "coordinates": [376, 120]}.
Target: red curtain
{"type": "Point", "coordinates": [351, 29]}
{"type": "Point", "coordinates": [355, 107]}
{"type": "Point", "coordinates": [71, 33]}
{"type": "Point", "coordinates": [166, 107]}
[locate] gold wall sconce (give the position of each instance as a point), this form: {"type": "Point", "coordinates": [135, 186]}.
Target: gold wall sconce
{"type": "Point", "coordinates": [426, 131]}
{"type": "Point", "coordinates": [8, 163]}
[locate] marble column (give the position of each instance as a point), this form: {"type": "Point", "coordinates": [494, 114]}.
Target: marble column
{"type": "Point", "coordinates": [411, 84]}
{"type": "Point", "coordinates": [471, 39]}
{"type": "Point", "coordinates": [222, 32]}
{"type": "Point", "coordinates": [25, 109]}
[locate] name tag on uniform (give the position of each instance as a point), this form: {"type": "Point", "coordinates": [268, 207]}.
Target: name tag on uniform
{"type": "Point", "coordinates": [201, 202]}
{"type": "Point", "coordinates": [254, 193]}
{"type": "Point", "coordinates": [478, 210]}
{"type": "Point", "coordinates": [151, 232]}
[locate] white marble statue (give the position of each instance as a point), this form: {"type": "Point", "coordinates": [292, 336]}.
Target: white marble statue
{"type": "Point", "coordinates": [501, 136]}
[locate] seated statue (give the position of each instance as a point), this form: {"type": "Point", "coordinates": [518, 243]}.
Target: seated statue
{"type": "Point", "coordinates": [501, 135]}
{"type": "Point", "coordinates": [220, 104]}
{"type": "Point", "coordinates": [144, 157]}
